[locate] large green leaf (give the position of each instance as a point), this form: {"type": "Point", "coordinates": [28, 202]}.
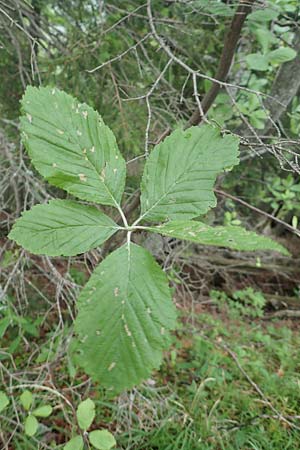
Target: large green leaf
{"type": "Point", "coordinates": [181, 171]}
{"type": "Point", "coordinates": [71, 146]}
{"type": "Point", "coordinates": [124, 314]}
{"type": "Point", "coordinates": [62, 228]}
{"type": "Point", "coordinates": [233, 237]}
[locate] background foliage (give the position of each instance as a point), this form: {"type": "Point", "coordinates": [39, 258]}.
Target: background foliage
{"type": "Point", "coordinates": [231, 379]}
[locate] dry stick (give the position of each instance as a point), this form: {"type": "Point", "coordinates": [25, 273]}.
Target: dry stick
{"type": "Point", "coordinates": [119, 57]}
{"type": "Point", "coordinates": [259, 211]}
{"type": "Point", "coordinates": [285, 313]}
{"type": "Point", "coordinates": [231, 41]}
{"type": "Point", "coordinates": [123, 119]}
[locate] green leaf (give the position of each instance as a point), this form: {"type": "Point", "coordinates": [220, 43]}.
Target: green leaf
{"type": "Point", "coordinates": [4, 324]}
{"type": "Point", "coordinates": [42, 411]}
{"type": "Point", "coordinates": [76, 443]}
{"type": "Point", "coordinates": [215, 8]}
{"type": "Point", "coordinates": [4, 401]}
{"type": "Point", "coordinates": [233, 237]}
{"type": "Point", "coordinates": [295, 222]}
{"type": "Point", "coordinates": [71, 146]}
{"type": "Point", "coordinates": [31, 425]}
{"type": "Point", "coordinates": [85, 413]}
{"type": "Point", "coordinates": [26, 399]}
{"type": "Point", "coordinates": [281, 55]}
{"type": "Point", "coordinates": [14, 346]}
{"type": "Point", "coordinates": [124, 314]}
{"type": "Point", "coordinates": [181, 171]}
{"type": "Point", "coordinates": [262, 15]}
{"type": "Point", "coordinates": [256, 122]}
{"type": "Point", "coordinates": [62, 228]}
{"type": "Point", "coordinates": [102, 439]}
{"type": "Point", "coordinates": [265, 37]}
{"type": "Point", "coordinates": [256, 61]}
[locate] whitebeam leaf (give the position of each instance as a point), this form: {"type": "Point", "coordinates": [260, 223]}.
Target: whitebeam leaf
{"type": "Point", "coordinates": [124, 314]}
{"type": "Point", "coordinates": [62, 228]}
{"type": "Point", "coordinates": [71, 146]}
{"type": "Point", "coordinates": [233, 237]}
{"type": "Point", "coordinates": [181, 171]}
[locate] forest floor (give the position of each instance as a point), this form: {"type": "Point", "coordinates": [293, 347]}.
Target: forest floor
{"type": "Point", "coordinates": [230, 380]}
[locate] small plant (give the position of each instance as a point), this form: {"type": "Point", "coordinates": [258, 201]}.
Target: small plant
{"type": "Point", "coordinates": [284, 198]}
{"type": "Point", "coordinates": [31, 423]}
{"type": "Point", "coordinates": [244, 302]}
{"type": "Point", "coordinates": [99, 439]}
{"type": "Point", "coordinates": [125, 311]}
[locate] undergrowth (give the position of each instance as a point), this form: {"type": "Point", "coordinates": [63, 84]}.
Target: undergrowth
{"type": "Point", "coordinates": [223, 385]}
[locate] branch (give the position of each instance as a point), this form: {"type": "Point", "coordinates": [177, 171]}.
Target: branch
{"type": "Point", "coordinates": [230, 44]}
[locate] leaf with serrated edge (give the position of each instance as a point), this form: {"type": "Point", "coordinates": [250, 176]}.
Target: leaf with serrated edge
{"type": "Point", "coordinates": [124, 314]}
{"type": "Point", "coordinates": [181, 171]}
{"type": "Point", "coordinates": [71, 146]}
{"type": "Point", "coordinates": [62, 228]}
{"type": "Point", "coordinates": [233, 237]}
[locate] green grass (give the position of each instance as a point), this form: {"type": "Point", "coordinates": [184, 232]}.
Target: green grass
{"type": "Point", "coordinates": [212, 404]}
{"type": "Point", "coordinates": [201, 399]}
